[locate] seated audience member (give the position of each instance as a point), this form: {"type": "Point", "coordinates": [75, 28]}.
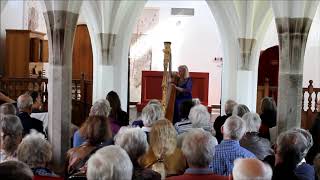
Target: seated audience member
{"type": "Point", "coordinates": [303, 170]}
{"type": "Point", "coordinates": [99, 108]}
{"type": "Point", "coordinates": [240, 110]}
{"type": "Point", "coordinates": [25, 107]}
{"type": "Point", "coordinates": [11, 134]}
{"type": "Point", "coordinates": [268, 116]}
{"type": "Point", "coordinates": [110, 162]}
{"type": "Point", "coordinates": [185, 124]}
{"type": "Point", "coordinates": [289, 153]}
{"type": "Point", "coordinates": [36, 151]}
{"type": "Point", "coordinates": [315, 132]}
{"type": "Point", "coordinates": [134, 142]}
{"type": "Point", "coordinates": [198, 148]}
{"type": "Point", "coordinates": [229, 149]}
{"type": "Point", "coordinates": [37, 103]}
{"type": "Point", "coordinates": [316, 163]}
{"type": "Point", "coordinates": [117, 116]}
{"type": "Point", "coordinates": [139, 122]}
{"type": "Point", "coordinates": [15, 170]}
{"type": "Point", "coordinates": [8, 108]}
{"type": "Point", "coordinates": [228, 107]}
{"type": "Point", "coordinates": [259, 146]}
{"type": "Point", "coordinates": [163, 156]}
{"type": "Point", "coordinates": [251, 169]}
{"type": "Point", "coordinates": [150, 114]}
{"type": "Point", "coordinates": [97, 134]}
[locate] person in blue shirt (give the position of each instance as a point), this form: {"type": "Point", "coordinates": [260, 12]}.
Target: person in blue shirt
{"type": "Point", "coordinates": [229, 149]}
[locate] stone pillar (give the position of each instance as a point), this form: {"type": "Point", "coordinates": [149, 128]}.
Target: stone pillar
{"type": "Point", "coordinates": [292, 34]}
{"type": "Point", "coordinates": [246, 74]}
{"type": "Point", "coordinates": [107, 45]}
{"type": "Point", "coordinates": [61, 28]}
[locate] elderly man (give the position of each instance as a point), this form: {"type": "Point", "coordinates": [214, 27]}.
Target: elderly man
{"type": "Point", "coordinates": [25, 108]}
{"type": "Point", "coordinates": [252, 169]}
{"type": "Point", "coordinates": [290, 149]}
{"type": "Point", "coordinates": [15, 170]}
{"type": "Point", "coordinates": [229, 149]}
{"type": "Point", "coordinates": [259, 146]}
{"type": "Point", "coordinates": [110, 162]}
{"type": "Point", "coordinates": [198, 148]}
{"type": "Point", "coordinates": [228, 107]}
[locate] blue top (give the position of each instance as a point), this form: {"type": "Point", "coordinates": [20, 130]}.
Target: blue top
{"type": "Point", "coordinates": [187, 88]}
{"type": "Point", "coordinates": [77, 139]}
{"type": "Point", "coordinates": [226, 152]}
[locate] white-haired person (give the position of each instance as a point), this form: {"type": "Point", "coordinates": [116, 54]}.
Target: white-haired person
{"type": "Point", "coordinates": [198, 148]}
{"type": "Point", "coordinates": [163, 155]}
{"type": "Point", "coordinates": [10, 137]}
{"type": "Point", "coordinates": [228, 108]}
{"type": "Point", "coordinates": [251, 140]}
{"type": "Point", "coordinates": [134, 142]}
{"type": "Point", "coordinates": [8, 108]}
{"type": "Point", "coordinates": [25, 108]}
{"type": "Point", "coordinates": [100, 108]}
{"type": "Point", "coordinates": [251, 169]}
{"type": "Point", "coordinates": [150, 114]}
{"type": "Point", "coordinates": [240, 110]}
{"type": "Point", "coordinates": [229, 149]}
{"type": "Point", "coordinates": [111, 162]}
{"type": "Point", "coordinates": [36, 152]}
{"type": "Point", "coordinates": [138, 122]}
{"type": "Point", "coordinates": [15, 170]}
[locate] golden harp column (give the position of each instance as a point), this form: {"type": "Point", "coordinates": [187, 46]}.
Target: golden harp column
{"type": "Point", "coordinates": [165, 79]}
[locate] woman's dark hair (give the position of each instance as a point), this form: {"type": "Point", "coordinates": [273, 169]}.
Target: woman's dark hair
{"type": "Point", "coordinates": [116, 112]}
{"type": "Point", "coordinates": [34, 95]}
{"type": "Point", "coordinates": [96, 129]}
{"type": "Point", "coordinates": [268, 105]}
{"type": "Point", "coordinates": [185, 108]}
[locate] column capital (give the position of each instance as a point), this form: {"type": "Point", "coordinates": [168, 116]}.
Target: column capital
{"type": "Point", "coordinates": [246, 47]}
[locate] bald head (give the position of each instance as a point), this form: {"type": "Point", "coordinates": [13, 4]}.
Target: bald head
{"type": "Point", "coordinates": [251, 169]}
{"type": "Point", "coordinates": [25, 103]}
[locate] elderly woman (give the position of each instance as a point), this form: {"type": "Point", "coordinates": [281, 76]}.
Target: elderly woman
{"type": "Point", "coordinates": [16, 170]}
{"type": "Point", "coordinates": [139, 122]}
{"type": "Point", "coordinates": [8, 108]}
{"type": "Point", "coordinates": [35, 151]}
{"type": "Point", "coordinates": [259, 146]}
{"type": "Point", "coordinates": [99, 108]}
{"type": "Point", "coordinates": [150, 114]}
{"type": "Point", "coordinates": [110, 162]}
{"type": "Point", "coordinates": [134, 142]}
{"type": "Point", "coordinates": [163, 156]}
{"type": "Point", "coordinates": [97, 133]}
{"type": "Point", "coordinates": [11, 134]}
{"type": "Point", "coordinates": [240, 110]}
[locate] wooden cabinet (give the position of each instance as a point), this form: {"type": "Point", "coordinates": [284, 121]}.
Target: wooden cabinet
{"type": "Point", "coordinates": [23, 47]}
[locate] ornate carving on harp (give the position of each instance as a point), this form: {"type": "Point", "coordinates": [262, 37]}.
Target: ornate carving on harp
{"type": "Point", "coordinates": [168, 90]}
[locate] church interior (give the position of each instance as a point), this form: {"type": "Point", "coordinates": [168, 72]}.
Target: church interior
{"type": "Point", "coordinates": [76, 57]}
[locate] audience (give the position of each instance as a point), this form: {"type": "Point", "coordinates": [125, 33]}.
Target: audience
{"type": "Point", "coordinates": [134, 142]}
{"type": "Point", "coordinates": [11, 134]}
{"type": "Point", "coordinates": [268, 116]}
{"type": "Point", "coordinates": [200, 118]}
{"type": "Point", "coordinates": [139, 122]}
{"type": "Point", "coordinates": [8, 108]}
{"type": "Point", "coordinates": [260, 147]}
{"type": "Point", "coordinates": [184, 124]}
{"type": "Point", "coordinates": [15, 170]}
{"type": "Point", "coordinates": [163, 155]}
{"type": "Point", "coordinates": [228, 108]}
{"type": "Point", "coordinates": [117, 116]}
{"type": "Point", "coordinates": [36, 151]}
{"type": "Point", "coordinates": [37, 103]}
{"type": "Point", "coordinates": [229, 149]}
{"type": "Point", "coordinates": [99, 108]}
{"type": "Point", "coordinates": [198, 148]}
{"type": "Point", "coordinates": [150, 114]}
{"type": "Point", "coordinates": [315, 131]}
{"type": "Point", "coordinates": [25, 108]}
{"type": "Point", "coordinates": [110, 162]}
{"type": "Point", "coordinates": [97, 134]}
{"type": "Point", "coordinates": [290, 149]}
{"type": "Point", "coordinates": [240, 110]}
{"type": "Point", "coordinates": [251, 169]}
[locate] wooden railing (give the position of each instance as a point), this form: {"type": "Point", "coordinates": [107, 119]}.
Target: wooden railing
{"type": "Point", "coordinates": [310, 96]}
{"type": "Point", "coordinates": [81, 93]}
